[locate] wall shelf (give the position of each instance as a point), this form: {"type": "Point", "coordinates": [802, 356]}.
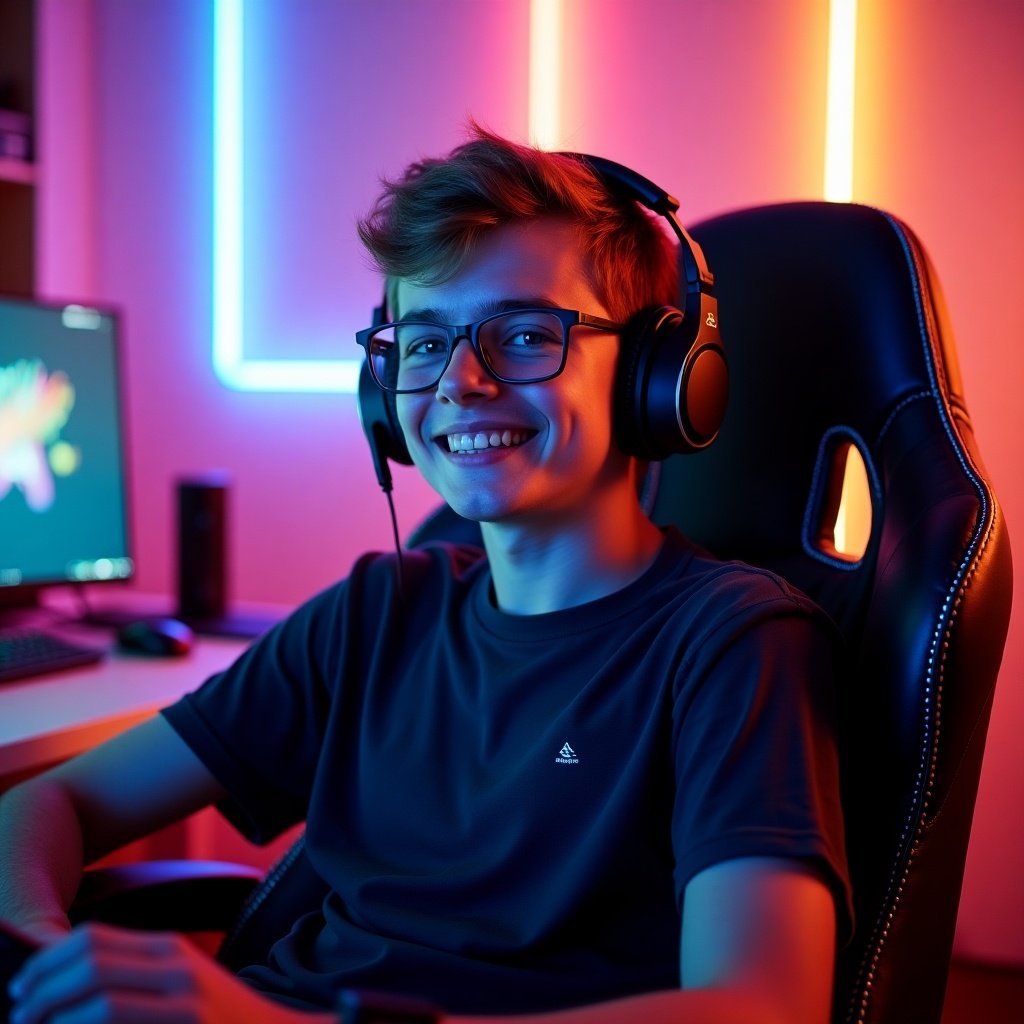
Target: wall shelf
{"type": "Point", "coordinates": [18, 172]}
{"type": "Point", "coordinates": [18, 178]}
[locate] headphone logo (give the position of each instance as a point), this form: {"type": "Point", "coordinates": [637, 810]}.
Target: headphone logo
{"type": "Point", "coordinates": [711, 321]}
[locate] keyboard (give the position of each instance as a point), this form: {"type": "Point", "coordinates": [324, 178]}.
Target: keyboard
{"type": "Point", "coordinates": [30, 652]}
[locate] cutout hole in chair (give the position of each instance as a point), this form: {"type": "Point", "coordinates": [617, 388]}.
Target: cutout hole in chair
{"type": "Point", "coordinates": [850, 527]}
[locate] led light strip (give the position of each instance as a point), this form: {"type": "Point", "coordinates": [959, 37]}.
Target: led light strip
{"type": "Point", "coordinates": [842, 52]}
{"type": "Point", "coordinates": [229, 361]}
{"type": "Point", "coordinates": [341, 375]}
{"type": "Point", "coordinates": [545, 73]}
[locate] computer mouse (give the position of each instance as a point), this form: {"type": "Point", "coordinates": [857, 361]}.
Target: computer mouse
{"type": "Point", "coordinates": [163, 637]}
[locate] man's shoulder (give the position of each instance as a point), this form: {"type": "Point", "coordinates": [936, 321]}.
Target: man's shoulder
{"type": "Point", "coordinates": [379, 581]}
{"type": "Point", "coordinates": [731, 583]}
{"type": "Point", "coordinates": [418, 571]}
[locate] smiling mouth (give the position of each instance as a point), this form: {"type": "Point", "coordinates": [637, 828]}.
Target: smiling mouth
{"type": "Point", "coordinates": [465, 443]}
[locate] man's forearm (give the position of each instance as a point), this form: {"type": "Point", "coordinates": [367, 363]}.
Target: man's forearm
{"type": "Point", "coordinates": [40, 856]}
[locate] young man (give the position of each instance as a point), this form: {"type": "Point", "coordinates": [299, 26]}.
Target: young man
{"type": "Point", "coordinates": [585, 775]}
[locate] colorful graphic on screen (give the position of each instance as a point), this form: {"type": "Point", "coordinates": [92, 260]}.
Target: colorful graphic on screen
{"type": "Point", "coordinates": [63, 515]}
{"type": "Point", "coordinates": [34, 406]}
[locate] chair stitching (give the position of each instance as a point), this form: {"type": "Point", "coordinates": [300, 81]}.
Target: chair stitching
{"type": "Point", "coordinates": [916, 820]}
{"type": "Point", "coordinates": [909, 400]}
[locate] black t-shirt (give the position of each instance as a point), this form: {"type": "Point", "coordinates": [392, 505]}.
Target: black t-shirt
{"type": "Point", "coordinates": [507, 809]}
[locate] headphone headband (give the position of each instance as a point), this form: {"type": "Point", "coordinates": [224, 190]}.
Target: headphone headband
{"type": "Point", "coordinates": [626, 183]}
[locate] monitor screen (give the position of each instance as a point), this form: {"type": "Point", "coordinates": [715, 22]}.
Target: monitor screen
{"type": "Point", "coordinates": [63, 502]}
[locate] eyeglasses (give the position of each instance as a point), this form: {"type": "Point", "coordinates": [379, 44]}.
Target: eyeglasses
{"type": "Point", "coordinates": [521, 346]}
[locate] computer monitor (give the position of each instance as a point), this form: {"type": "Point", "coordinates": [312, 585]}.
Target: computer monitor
{"type": "Point", "coordinates": [63, 492]}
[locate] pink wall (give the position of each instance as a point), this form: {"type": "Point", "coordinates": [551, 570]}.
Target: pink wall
{"type": "Point", "coordinates": [721, 103]}
{"type": "Point", "coordinates": [941, 143]}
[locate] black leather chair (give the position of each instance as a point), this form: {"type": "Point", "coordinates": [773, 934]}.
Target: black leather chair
{"type": "Point", "coordinates": [837, 336]}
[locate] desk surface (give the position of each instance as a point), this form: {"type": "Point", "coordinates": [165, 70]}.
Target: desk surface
{"type": "Point", "coordinates": [49, 718]}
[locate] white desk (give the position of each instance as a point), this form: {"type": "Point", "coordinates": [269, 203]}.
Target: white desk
{"type": "Point", "coordinates": [49, 718]}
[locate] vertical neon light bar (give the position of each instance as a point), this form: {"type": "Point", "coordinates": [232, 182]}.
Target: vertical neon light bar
{"type": "Point", "coordinates": [545, 73]}
{"type": "Point", "coordinates": [842, 51]}
{"type": "Point", "coordinates": [228, 204]}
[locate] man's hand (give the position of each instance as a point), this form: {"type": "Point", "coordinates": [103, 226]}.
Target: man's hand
{"type": "Point", "coordinates": [103, 975]}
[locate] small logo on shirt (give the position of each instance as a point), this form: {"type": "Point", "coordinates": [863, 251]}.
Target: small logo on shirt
{"type": "Point", "coordinates": [567, 755]}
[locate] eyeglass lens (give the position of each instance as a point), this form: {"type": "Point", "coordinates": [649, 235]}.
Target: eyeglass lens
{"type": "Point", "coordinates": [515, 346]}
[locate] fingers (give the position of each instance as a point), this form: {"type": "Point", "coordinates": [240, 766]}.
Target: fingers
{"type": "Point", "coordinates": [97, 972]}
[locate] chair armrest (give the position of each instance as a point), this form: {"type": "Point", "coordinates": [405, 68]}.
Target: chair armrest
{"type": "Point", "coordinates": [170, 895]}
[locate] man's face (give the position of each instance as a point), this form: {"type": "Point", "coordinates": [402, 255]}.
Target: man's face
{"type": "Point", "coordinates": [549, 449]}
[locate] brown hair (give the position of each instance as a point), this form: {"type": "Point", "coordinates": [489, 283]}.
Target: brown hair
{"type": "Point", "coordinates": [425, 224]}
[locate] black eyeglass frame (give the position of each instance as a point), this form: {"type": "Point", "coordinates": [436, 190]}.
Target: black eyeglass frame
{"type": "Point", "coordinates": [568, 318]}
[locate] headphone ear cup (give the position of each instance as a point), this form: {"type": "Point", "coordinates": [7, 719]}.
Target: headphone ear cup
{"type": "Point", "coordinates": [379, 416]}
{"type": "Point", "coordinates": [630, 386]}
{"type": "Point", "coordinates": [673, 383]}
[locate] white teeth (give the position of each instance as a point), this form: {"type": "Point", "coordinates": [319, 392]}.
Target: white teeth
{"type": "Point", "coordinates": [461, 443]}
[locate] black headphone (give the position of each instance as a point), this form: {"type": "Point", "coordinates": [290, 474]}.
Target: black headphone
{"type": "Point", "coordinates": [673, 380]}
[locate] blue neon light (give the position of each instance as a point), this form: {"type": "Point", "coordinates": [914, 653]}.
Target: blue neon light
{"type": "Point", "coordinates": [229, 361]}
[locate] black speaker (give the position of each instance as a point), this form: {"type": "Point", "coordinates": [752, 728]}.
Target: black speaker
{"type": "Point", "coordinates": [202, 547]}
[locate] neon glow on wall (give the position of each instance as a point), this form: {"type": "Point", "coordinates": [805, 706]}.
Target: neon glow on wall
{"type": "Point", "coordinates": [238, 371]}
{"type": "Point", "coordinates": [230, 363]}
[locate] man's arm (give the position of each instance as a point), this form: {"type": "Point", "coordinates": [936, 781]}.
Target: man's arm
{"type": "Point", "coordinates": [758, 943]}
{"type": "Point", "coordinates": [54, 824]}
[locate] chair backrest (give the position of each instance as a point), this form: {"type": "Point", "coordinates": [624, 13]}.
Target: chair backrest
{"type": "Point", "coordinates": [836, 335]}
